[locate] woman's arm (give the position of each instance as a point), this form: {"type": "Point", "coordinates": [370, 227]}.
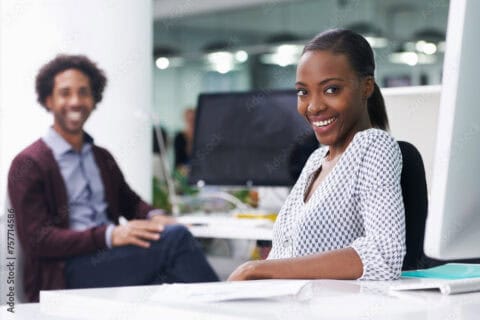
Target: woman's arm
{"type": "Point", "coordinates": [378, 254]}
{"type": "Point", "coordinates": [342, 264]}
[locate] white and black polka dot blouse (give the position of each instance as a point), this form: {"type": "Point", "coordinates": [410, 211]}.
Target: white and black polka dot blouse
{"type": "Point", "coordinates": [359, 204]}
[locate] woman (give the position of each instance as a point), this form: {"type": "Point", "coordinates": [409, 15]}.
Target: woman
{"type": "Point", "coordinates": [344, 218]}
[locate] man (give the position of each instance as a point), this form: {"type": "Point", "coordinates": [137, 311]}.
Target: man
{"type": "Point", "coordinates": [69, 195]}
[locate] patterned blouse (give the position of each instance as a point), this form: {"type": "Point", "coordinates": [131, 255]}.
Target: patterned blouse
{"type": "Point", "coordinates": [359, 204]}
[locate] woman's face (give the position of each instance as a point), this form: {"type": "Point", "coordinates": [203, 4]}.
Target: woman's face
{"type": "Point", "coordinates": [332, 97]}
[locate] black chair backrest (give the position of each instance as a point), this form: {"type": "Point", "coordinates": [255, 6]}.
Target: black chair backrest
{"type": "Point", "coordinates": [415, 199]}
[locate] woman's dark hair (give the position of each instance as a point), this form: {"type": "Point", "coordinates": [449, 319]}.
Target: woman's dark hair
{"type": "Point", "coordinates": [46, 76]}
{"type": "Point", "coordinates": [360, 55]}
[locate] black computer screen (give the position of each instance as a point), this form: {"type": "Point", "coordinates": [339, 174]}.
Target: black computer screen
{"type": "Point", "coordinates": [250, 138]}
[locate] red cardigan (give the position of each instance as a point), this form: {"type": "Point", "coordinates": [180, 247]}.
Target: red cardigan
{"type": "Point", "coordinates": [39, 197]}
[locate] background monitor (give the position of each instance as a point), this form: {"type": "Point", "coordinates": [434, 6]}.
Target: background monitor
{"type": "Point", "coordinates": [250, 138]}
{"type": "Point", "coordinates": [453, 222]}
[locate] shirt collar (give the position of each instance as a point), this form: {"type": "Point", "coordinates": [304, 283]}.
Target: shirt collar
{"type": "Point", "coordinates": [60, 146]}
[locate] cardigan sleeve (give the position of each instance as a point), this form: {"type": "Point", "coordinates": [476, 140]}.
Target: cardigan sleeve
{"type": "Point", "coordinates": [382, 248]}
{"type": "Point", "coordinates": [38, 227]}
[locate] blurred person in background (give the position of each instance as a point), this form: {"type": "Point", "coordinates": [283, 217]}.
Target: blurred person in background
{"type": "Point", "coordinates": [183, 142]}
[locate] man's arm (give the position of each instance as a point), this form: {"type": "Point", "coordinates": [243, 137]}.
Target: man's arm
{"type": "Point", "coordinates": [128, 203]}
{"type": "Point", "coordinates": [131, 205]}
{"type": "Point", "coordinates": [136, 231]}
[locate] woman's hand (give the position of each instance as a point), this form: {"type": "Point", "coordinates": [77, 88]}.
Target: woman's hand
{"type": "Point", "coordinates": [246, 271]}
{"type": "Point", "coordinates": [342, 264]}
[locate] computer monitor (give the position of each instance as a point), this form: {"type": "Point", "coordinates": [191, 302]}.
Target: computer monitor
{"type": "Point", "coordinates": [453, 223]}
{"type": "Point", "coordinates": [250, 138]}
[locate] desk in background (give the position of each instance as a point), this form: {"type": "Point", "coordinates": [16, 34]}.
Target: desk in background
{"type": "Point", "coordinates": [235, 237]}
{"type": "Point", "coordinates": [225, 226]}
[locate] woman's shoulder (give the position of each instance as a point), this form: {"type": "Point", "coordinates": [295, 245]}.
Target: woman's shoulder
{"type": "Point", "coordinates": [379, 152]}
{"type": "Point", "coordinates": [376, 140]}
{"type": "Point", "coordinates": [373, 134]}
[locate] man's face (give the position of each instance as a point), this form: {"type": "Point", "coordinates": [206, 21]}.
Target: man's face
{"type": "Point", "coordinates": [71, 101]}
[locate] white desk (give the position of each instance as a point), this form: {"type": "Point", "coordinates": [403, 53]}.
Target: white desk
{"type": "Point", "coordinates": [331, 299]}
{"type": "Point", "coordinates": [226, 226]}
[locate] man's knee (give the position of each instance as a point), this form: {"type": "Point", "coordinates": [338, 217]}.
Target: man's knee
{"type": "Point", "coordinates": [176, 231]}
{"type": "Point", "coordinates": [178, 237]}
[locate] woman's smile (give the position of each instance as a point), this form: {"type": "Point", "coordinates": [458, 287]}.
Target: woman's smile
{"type": "Point", "coordinates": [322, 125]}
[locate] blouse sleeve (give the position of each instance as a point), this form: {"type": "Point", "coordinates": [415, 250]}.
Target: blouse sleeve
{"type": "Point", "coordinates": [382, 248]}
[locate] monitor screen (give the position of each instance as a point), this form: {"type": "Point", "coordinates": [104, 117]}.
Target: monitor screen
{"type": "Point", "coordinates": [250, 138]}
{"type": "Point", "coordinates": [453, 222]}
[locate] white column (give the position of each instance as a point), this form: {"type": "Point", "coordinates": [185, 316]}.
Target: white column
{"type": "Point", "coordinates": [115, 34]}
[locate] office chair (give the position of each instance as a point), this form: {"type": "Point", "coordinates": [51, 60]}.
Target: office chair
{"type": "Point", "coordinates": [415, 200]}
{"type": "Point", "coordinates": [7, 256]}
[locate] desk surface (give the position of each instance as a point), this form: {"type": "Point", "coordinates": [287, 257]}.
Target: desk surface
{"type": "Point", "coordinates": [332, 299]}
{"type": "Point", "coordinates": [225, 226]}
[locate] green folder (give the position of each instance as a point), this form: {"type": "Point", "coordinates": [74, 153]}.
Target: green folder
{"type": "Point", "coordinates": [447, 271]}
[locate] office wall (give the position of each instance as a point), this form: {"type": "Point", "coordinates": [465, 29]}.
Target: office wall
{"type": "Point", "coordinates": [175, 89]}
{"type": "Point", "coordinates": [413, 116]}
{"type": "Point", "coordinates": [115, 34]}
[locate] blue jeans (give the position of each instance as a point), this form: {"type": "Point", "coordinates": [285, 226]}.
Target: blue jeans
{"type": "Point", "coordinates": [176, 257]}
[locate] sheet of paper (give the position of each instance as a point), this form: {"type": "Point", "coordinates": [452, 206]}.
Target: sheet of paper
{"type": "Point", "coordinates": [237, 290]}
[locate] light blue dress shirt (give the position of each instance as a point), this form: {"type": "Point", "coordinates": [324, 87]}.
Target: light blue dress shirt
{"type": "Point", "coordinates": [85, 192]}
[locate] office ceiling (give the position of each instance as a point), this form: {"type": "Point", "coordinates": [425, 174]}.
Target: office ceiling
{"type": "Point", "coordinates": [181, 8]}
{"type": "Point", "coordinates": [189, 26]}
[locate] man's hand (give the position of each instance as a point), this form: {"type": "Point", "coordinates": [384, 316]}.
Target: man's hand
{"type": "Point", "coordinates": [136, 232]}
{"type": "Point", "coordinates": [163, 219]}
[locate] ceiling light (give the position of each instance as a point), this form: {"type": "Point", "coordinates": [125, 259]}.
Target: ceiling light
{"type": "Point", "coordinates": [426, 47]}
{"type": "Point", "coordinates": [162, 63]}
{"type": "Point", "coordinates": [377, 42]}
{"type": "Point", "coordinates": [429, 41]}
{"type": "Point", "coordinates": [221, 61]}
{"type": "Point", "coordinates": [167, 57]}
{"type": "Point", "coordinates": [411, 58]}
{"type": "Point", "coordinates": [281, 60]}
{"type": "Point", "coordinates": [220, 56]}
{"type": "Point", "coordinates": [407, 57]}
{"type": "Point", "coordinates": [241, 56]}
{"type": "Point", "coordinates": [289, 50]}
{"type": "Point", "coordinates": [284, 50]}
{"type": "Point", "coordinates": [372, 34]}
